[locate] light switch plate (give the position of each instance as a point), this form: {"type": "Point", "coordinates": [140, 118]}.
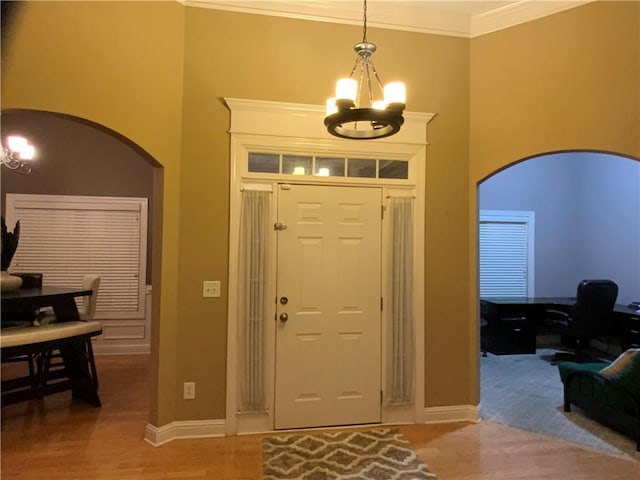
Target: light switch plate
{"type": "Point", "coordinates": [211, 288]}
{"type": "Point", "coordinates": [189, 390]}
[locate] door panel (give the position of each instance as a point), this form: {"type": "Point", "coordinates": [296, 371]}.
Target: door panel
{"type": "Point", "coordinates": [328, 349]}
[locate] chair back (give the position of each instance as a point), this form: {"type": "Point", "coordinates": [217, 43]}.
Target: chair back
{"type": "Point", "coordinates": [489, 313]}
{"type": "Point", "coordinates": [88, 309]}
{"type": "Point", "coordinates": [591, 313]}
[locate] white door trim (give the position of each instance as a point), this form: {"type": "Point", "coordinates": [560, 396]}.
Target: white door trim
{"type": "Point", "coordinates": [298, 128]}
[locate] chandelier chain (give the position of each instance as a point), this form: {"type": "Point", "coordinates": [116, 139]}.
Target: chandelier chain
{"type": "Point", "coordinates": [364, 23]}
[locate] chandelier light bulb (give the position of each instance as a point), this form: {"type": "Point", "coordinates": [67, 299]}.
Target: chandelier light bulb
{"type": "Point", "coordinates": [331, 107]}
{"type": "Point", "coordinates": [379, 105]}
{"type": "Point", "coordinates": [346, 89]}
{"type": "Point", "coordinates": [16, 143]}
{"type": "Point", "coordinates": [15, 155]}
{"type": "Point", "coordinates": [28, 152]}
{"type": "Point", "coordinates": [395, 92]}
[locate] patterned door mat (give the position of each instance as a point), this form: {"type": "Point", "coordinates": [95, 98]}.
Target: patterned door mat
{"type": "Point", "coordinates": [370, 455]}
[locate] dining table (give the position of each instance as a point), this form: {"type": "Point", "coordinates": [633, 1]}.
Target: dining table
{"type": "Point", "coordinates": [27, 300]}
{"type": "Point", "coordinates": [23, 303]}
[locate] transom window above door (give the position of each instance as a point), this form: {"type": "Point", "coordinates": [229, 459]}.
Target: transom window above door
{"type": "Point", "coordinates": [323, 166]}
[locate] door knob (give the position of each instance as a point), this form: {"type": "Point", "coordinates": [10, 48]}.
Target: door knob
{"type": "Point", "coordinates": [284, 317]}
{"type": "Point", "coordinates": [284, 300]}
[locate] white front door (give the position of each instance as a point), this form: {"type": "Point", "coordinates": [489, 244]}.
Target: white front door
{"type": "Point", "coordinates": [328, 328]}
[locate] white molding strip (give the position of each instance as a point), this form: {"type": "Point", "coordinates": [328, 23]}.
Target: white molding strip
{"type": "Point", "coordinates": [452, 413]}
{"type": "Point", "coordinates": [157, 436]}
{"type": "Point", "coordinates": [301, 120]}
{"type": "Point", "coordinates": [518, 13]}
{"type": "Point", "coordinates": [417, 16]}
{"type": "Point", "coordinates": [134, 338]}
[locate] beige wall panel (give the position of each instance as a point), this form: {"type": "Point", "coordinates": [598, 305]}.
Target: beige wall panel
{"type": "Point", "coordinates": [267, 58]}
{"type": "Point", "coordinates": [118, 64]}
{"type": "Point", "coordinates": [565, 82]}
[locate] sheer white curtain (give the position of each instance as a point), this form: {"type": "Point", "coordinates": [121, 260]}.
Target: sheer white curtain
{"type": "Point", "coordinates": [252, 304]}
{"type": "Point", "coordinates": [400, 332]}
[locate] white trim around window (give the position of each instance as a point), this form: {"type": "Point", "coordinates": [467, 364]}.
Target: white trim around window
{"type": "Point", "coordinates": [506, 241]}
{"type": "Point", "coordinates": [65, 237]}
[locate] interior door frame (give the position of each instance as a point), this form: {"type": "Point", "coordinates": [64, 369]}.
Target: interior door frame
{"type": "Point", "coordinates": [298, 129]}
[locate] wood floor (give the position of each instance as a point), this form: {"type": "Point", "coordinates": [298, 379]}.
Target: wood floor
{"type": "Point", "coordinates": [58, 438]}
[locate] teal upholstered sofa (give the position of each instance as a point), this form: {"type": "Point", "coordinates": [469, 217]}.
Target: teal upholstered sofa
{"type": "Point", "coordinates": [606, 392]}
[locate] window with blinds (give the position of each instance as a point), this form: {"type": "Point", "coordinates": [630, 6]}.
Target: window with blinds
{"type": "Point", "coordinates": [506, 254]}
{"type": "Point", "coordinates": [66, 237]}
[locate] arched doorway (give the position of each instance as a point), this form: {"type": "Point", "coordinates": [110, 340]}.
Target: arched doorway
{"type": "Point", "coordinates": [587, 225]}
{"type": "Point", "coordinates": [78, 157]}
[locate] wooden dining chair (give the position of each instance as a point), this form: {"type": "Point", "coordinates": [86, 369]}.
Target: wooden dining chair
{"type": "Point", "coordinates": [86, 311]}
{"type": "Point", "coordinates": [50, 361]}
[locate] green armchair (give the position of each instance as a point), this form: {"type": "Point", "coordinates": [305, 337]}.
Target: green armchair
{"type": "Point", "coordinates": [608, 393]}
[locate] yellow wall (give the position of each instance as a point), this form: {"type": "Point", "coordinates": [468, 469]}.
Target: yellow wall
{"type": "Point", "coordinates": [268, 58]}
{"type": "Point", "coordinates": [118, 64]}
{"type": "Point", "coordinates": [570, 81]}
{"type": "Point", "coordinates": [156, 73]}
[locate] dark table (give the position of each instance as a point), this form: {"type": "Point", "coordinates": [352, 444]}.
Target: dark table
{"type": "Point", "coordinates": [561, 303]}
{"type": "Point", "coordinates": [24, 301]}
{"type": "Point", "coordinates": [625, 321]}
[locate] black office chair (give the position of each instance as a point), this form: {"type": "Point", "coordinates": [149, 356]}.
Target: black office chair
{"type": "Point", "coordinates": [489, 317]}
{"type": "Point", "coordinates": [588, 319]}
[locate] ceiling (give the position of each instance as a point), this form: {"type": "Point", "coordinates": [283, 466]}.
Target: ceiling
{"type": "Point", "coordinates": [445, 17]}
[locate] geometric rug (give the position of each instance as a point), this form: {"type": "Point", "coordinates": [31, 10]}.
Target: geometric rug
{"type": "Point", "coordinates": [367, 455]}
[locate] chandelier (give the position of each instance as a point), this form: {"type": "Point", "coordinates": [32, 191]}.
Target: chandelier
{"type": "Point", "coordinates": [347, 117]}
{"type": "Point", "coordinates": [17, 153]}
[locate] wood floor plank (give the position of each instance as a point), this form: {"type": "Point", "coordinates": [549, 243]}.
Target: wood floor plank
{"type": "Point", "coordinates": [57, 438]}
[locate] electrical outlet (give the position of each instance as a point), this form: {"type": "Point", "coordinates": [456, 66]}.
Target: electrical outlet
{"type": "Point", "coordinates": [189, 390]}
{"type": "Point", "coordinates": [211, 288]}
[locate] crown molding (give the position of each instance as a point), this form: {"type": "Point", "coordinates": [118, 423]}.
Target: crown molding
{"type": "Point", "coordinates": [518, 13]}
{"type": "Point", "coordinates": [413, 16]}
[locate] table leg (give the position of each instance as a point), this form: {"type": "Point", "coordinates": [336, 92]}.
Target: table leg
{"type": "Point", "coordinates": [83, 385]}
{"type": "Point", "coordinates": [65, 309]}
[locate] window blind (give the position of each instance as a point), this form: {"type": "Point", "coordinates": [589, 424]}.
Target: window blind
{"type": "Point", "coordinates": [504, 258]}
{"type": "Point", "coordinates": [67, 237]}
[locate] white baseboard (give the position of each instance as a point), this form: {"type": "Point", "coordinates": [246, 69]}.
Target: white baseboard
{"type": "Point", "coordinates": [157, 436]}
{"type": "Point", "coordinates": [452, 413]}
